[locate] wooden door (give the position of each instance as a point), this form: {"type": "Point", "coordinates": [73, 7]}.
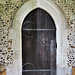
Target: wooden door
{"type": "Point", "coordinates": [38, 44]}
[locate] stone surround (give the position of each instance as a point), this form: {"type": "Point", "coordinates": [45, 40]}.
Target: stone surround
{"type": "Point", "coordinates": [65, 9]}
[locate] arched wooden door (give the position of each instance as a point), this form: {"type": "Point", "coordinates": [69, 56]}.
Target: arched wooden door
{"type": "Point", "coordinates": [38, 44]}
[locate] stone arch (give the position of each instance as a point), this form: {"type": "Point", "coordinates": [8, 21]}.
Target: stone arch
{"type": "Point", "coordinates": [61, 33]}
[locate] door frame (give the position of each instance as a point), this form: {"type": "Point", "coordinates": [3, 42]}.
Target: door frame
{"type": "Point", "coordinates": [61, 33]}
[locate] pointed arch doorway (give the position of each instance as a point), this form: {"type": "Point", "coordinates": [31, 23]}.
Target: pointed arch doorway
{"type": "Point", "coordinates": [38, 44]}
{"type": "Point", "coordinates": [61, 33]}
